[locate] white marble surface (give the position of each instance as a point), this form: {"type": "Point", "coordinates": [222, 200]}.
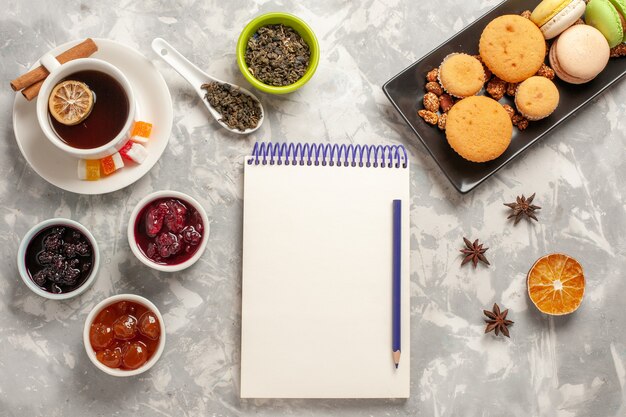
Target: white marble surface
{"type": "Point", "coordinates": [573, 366]}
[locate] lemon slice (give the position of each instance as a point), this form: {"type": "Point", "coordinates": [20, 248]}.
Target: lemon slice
{"type": "Point", "coordinates": [70, 102]}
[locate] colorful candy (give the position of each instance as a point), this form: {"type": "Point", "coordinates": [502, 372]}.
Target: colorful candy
{"type": "Point", "coordinates": [141, 132]}
{"type": "Point", "coordinates": [89, 169]}
{"type": "Point", "coordinates": [111, 163]}
{"type": "Point", "coordinates": [94, 169]}
{"type": "Point", "coordinates": [134, 152]}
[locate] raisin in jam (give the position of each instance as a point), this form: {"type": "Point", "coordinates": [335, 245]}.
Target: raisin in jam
{"type": "Point", "coordinates": [59, 259]}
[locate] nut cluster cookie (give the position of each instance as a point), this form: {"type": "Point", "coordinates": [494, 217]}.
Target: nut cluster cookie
{"type": "Point", "coordinates": [513, 48]}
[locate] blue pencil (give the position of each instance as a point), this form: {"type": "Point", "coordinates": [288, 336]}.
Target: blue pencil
{"type": "Point", "coordinates": [397, 235]}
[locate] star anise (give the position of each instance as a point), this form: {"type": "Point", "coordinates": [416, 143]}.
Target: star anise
{"type": "Point", "coordinates": [523, 207]}
{"type": "Point", "coordinates": [497, 321]}
{"type": "Point", "coordinates": [474, 252]}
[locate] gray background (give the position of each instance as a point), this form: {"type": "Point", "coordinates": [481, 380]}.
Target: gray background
{"type": "Point", "coordinates": [572, 366]}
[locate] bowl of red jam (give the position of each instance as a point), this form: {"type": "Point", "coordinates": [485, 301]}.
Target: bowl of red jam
{"type": "Point", "coordinates": [58, 259]}
{"type": "Point", "coordinates": [124, 335]}
{"type": "Point", "coordinates": [168, 231]}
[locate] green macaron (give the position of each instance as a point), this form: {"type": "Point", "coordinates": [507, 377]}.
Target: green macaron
{"type": "Point", "coordinates": [620, 6]}
{"type": "Point", "coordinates": [605, 17]}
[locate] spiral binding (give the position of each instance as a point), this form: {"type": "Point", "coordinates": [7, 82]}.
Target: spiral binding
{"type": "Point", "coordinates": [383, 156]}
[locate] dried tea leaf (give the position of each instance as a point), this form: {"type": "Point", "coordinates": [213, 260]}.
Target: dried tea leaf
{"type": "Point", "coordinates": [277, 55]}
{"type": "Point", "coordinates": [238, 110]}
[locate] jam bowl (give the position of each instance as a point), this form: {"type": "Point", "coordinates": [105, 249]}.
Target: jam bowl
{"type": "Point", "coordinates": [168, 231]}
{"type": "Point", "coordinates": [58, 259]}
{"type": "Point", "coordinates": [124, 335]}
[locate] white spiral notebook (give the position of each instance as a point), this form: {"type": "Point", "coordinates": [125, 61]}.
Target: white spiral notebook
{"type": "Point", "coordinates": [317, 272]}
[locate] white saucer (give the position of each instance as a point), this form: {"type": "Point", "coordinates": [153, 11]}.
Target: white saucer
{"type": "Point", "coordinates": [154, 105]}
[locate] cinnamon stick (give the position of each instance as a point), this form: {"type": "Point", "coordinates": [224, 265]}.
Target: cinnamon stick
{"type": "Point", "coordinates": [31, 92]}
{"type": "Point", "coordinates": [82, 50]}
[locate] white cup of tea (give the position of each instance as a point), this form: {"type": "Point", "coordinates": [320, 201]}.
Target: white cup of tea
{"type": "Point", "coordinates": [60, 72]}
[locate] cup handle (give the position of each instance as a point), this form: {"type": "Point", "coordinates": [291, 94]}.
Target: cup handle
{"type": "Point", "coordinates": [50, 62]}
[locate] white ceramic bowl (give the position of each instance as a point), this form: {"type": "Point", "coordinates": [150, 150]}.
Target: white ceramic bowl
{"type": "Point", "coordinates": [133, 219]}
{"type": "Point", "coordinates": [21, 258]}
{"type": "Point", "coordinates": [101, 306]}
{"type": "Point", "coordinates": [59, 72]}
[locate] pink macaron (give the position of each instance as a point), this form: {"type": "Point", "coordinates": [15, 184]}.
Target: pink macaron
{"type": "Point", "coordinates": [579, 54]}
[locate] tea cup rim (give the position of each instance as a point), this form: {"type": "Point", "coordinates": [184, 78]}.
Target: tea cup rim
{"type": "Point", "coordinates": [64, 69]}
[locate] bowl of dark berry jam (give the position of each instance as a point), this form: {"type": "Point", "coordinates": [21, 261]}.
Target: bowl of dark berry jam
{"type": "Point", "coordinates": [58, 259]}
{"type": "Point", "coordinates": [168, 231]}
{"type": "Point", "coordinates": [124, 335]}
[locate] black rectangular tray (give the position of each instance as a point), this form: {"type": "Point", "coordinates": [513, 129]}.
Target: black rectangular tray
{"type": "Point", "coordinates": [405, 91]}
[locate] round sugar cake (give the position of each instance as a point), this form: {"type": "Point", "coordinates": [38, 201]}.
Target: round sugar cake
{"type": "Point", "coordinates": [479, 129]}
{"type": "Point", "coordinates": [461, 75]}
{"type": "Point", "coordinates": [536, 98]}
{"type": "Point", "coordinates": [512, 47]}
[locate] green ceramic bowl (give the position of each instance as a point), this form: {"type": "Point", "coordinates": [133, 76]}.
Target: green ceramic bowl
{"type": "Point", "coordinates": [273, 19]}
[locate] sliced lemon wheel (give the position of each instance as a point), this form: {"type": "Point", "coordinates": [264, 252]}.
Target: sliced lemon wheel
{"type": "Point", "coordinates": [70, 102]}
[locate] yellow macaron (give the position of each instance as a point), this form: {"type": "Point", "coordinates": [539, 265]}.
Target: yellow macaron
{"type": "Point", "coordinates": [554, 16]}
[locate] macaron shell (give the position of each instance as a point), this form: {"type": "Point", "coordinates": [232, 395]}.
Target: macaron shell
{"type": "Point", "coordinates": [546, 10]}
{"type": "Point", "coordinates": [602, 15]}
{"type": "Point", "coordinates": [554, 63]}
{"type": "Point", "coordinates": [564, 19]}
{"type": "Point", "coordinates": [620, 6]}
{"type": "Point", "coordinates": [579, 54]}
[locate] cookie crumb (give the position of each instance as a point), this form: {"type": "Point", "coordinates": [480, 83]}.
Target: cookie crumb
{"type": "Point", "coordinates": [496, 88]}
{"type": "Point", "coordinates": [520, 122]}
{"type": "Point", "coordinates": [431, 102]}
{"type": "Point", "coordinates": [446, 102]}
{"type": "Point", "coordinates": [526, 14]}
{"type": "Point", "coordinates": [510, 110]}
{"type": "Point", "coordinates": [546, 71]}
{"type": "Point", "coordinates": [434, 87]}
{"type": "Point", "coordinates": [432, 75]}
{"type": "Point", "coordinates": [618, 51]}
{"type": "Point", "coordinates": [510, 89]}
{"type": "Point", "coordinates": [441, 124]}
{"type": "Point", "coordinates": [428, 116]}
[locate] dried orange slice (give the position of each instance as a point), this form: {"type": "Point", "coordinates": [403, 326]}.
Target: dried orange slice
{"type": "Point", "coordinates": [70, 102]}
{"type": "Point", "coordinates": [556, 284]}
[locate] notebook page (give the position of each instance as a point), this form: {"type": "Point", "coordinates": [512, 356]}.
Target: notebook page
{"type": "Point", "coordinates": [317, 282]}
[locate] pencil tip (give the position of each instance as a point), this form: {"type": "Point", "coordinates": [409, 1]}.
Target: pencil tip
{"type": "Point", "coordinates": [396, 366]}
